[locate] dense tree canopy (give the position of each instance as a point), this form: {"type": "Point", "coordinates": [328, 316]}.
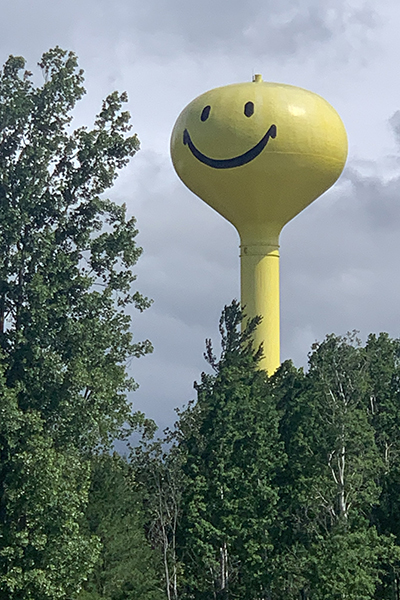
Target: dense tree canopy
{"type": "Point", "coordinates": [66, 259]}
{"type": "Point", "coordinates": [333, 478]}
{"type": "Point", "coordinates": [231, 457]}
{"type": "Point", "coordinates": [128, 568]}
{"type": "Point", "coordinates": [288, 485]}
{"type": "Point", "coordinates": [66, 252]}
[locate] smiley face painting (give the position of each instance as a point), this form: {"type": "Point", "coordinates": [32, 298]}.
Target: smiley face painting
{"type": "Point", "coordinates": [259, 152]}
{"type": "Point", "coordinates": [229, 163]}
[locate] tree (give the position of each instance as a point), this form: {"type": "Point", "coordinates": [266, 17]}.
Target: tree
{"type": "Point", "coordinates": [339, 438]}
{"type": "Point", "coordinates": [384, 369]}
{"type": "Point", "coordinates": [128, 568]}
{"type": "Point", "coordinates": [329, 546]}
{"type": "Point", "coordinates": [231, 452]}
{"type": "Point", "coordinates": [157, 465]}
{"type": "Point", "coordinates": [43, 553]}
{"type": "Point", "coordinates": [66, 260]}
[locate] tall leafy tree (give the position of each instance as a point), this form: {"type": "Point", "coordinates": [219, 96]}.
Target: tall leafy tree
{"type": "Point", "coordinates": [157, 465]}
{"type": "Point", "coordinates": [43, 553]}
{"type": "Point", "coordinates": [332, 482]}
{"type": "Point", "coordinates": [128, 567]}
{"type": "Point", "coordinates": [384, 398]}
{"type": "Point", "coordinates": [231, 451]}
{"type": "Point", "coordinates": [66, 274]}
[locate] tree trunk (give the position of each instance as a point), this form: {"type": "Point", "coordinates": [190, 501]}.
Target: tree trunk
{"type": "Point", "coordinates": [224, 569]}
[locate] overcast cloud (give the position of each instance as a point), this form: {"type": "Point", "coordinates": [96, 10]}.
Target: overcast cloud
{"type": "Point", "coordinates": [339, 258]}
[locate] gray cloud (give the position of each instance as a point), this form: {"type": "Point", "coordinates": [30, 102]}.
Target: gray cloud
{"type": "Point", "coordinates": [264, 26]}
{"type": "Point", "coordinates": [210, 27]}
{"type": "Point", "coordinates": [394, 122]}
{"type": "Point", "coordinates": [340, 264]}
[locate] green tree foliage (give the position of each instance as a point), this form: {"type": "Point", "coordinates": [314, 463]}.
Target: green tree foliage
{"type": "Point", "coordinates": [328, 545]}
{"type": "Point", "coordinates": [334, 462]}
{"type": "Point", "coordinates": [384, 368]}
{"type": "Point", "coordinates": [43, 553]}
{"type": "Point", "coordinates": [66, 259]}
{"type": "Point", "coordinates": [288, 484]}
{"type": "Point", "coordinates": [157, 465]}
{"type": "Point", "coordinates": [128, 568]}
{"type": "Point", "coordinates": [231, 452]}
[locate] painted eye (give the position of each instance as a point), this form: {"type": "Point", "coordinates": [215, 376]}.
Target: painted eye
{"type": "Point", "coordinates": [248, 109]}
{"type": "Point", "coordinates": [205, 113]}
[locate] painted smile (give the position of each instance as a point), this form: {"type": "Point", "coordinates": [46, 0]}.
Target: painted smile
{"type": "Point", "coordinates": [236, 161]}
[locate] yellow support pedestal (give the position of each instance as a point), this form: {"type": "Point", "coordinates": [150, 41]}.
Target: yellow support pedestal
{"type": "Point", "coordinates": [259, 263]}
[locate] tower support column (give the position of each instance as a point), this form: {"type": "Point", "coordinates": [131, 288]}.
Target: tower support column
{"type": "Point", "coordinates": [259, 264]}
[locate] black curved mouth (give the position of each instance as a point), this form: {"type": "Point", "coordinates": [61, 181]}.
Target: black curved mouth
{"type": "Point", "coordinates": [236, 161]}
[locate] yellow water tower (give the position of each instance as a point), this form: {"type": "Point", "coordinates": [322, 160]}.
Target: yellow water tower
{"type": "Point", "coordinates": [259, 153]}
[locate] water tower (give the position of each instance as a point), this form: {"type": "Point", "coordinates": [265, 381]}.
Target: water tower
{"type": "Point", "coordinates": [259, 153]}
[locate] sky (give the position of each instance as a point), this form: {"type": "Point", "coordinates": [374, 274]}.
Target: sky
{"type": "Point", "coordinates": [340, 266]}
